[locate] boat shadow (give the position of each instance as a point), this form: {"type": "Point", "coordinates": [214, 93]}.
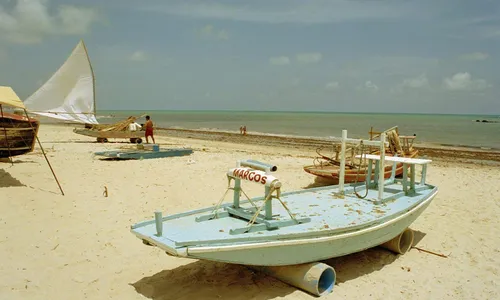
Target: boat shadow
{"type": "Point", "coordinates": [17, 161]}
{"type": "Point", "coordinates": [87, 142]}
{"type": "Point", "coordinates": [6, 180]}
{"type": "Point", "coordinates": [211, 280]}
{"type": "Point", "coordinates": [362, 263]}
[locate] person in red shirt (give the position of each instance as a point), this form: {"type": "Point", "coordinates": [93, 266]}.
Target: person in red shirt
{"type": "Point", "coordinates": [149, 130]}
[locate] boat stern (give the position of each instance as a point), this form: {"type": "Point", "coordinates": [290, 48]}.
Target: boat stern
{"type": "Point", "coordinates": [146, 231]}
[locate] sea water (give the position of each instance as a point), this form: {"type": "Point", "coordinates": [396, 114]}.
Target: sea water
{"type": "Point", "coordinates": [448, 130]}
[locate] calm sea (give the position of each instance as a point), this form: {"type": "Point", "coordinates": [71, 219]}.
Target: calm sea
{"type": "Point", "coordinates": [452, 130]}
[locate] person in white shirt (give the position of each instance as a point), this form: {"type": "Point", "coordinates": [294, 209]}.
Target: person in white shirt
{"type": "Point", "coordinates": [134, 126]}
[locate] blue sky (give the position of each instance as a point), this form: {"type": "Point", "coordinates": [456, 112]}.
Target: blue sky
{"type": "Point", "coordinates": [424, 56]}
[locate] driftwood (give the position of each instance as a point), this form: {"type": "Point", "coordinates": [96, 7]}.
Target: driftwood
{"type": "Point", "coordinates": [430, 252]}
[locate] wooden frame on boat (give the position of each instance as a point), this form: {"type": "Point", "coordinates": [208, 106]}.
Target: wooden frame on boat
{"type": "Point", "coordinates": [328, 168]}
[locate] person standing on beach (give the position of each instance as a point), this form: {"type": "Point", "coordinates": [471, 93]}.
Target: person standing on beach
{"type": "Point", "coordinates": [149, 130]}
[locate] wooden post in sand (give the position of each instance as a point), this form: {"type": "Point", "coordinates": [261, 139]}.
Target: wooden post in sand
{"type": "Point", "coordinates": [43, 152]}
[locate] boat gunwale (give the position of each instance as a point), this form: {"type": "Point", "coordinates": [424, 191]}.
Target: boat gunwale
{"type": "Point", "coordinates": [274, 243]}
{"type": "Point", "coordinates": [290, 236]}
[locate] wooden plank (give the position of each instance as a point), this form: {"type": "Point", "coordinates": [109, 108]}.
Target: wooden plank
{"type": "Point", "coordinates": [17, 148]}
{"type": "Point", "coordinates": [17, 129]}
{"type": "Point", "coordinates": [406, 160]}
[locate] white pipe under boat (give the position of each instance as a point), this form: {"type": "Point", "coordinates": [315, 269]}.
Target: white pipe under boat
{"type": "Point", "coordinates": [401, 243]}
{"type": "Point", "coordinates": [315, 278]}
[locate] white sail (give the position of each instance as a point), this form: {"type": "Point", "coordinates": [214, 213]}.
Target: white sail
{"type": "Point", "coordinates": [69, 93]}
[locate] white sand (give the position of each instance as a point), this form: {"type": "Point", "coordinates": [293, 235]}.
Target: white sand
{"type": "Point", "coordinates": [79, 246]}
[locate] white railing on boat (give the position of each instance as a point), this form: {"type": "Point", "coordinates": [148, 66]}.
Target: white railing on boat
{"type": "Point", "coordinates": [344, 140]}
{"type": "Point", "coordinates": [406, 161]}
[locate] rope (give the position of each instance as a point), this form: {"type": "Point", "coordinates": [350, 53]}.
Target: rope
{"type": "Point", "coordinates": [330, 161]}
{"type": "Point", "coordinates": [248, 198]}
{"type": "Point", "coordinates": [214, 212]}
{"type": "Point", "coordinates": [394, 143]}
{"type": "Point", "coordinates": [268, 197]}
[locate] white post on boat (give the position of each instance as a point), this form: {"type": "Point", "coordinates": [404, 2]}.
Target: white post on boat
{"type": "Point", "coordinates": [159, 223]}
{"type": "Point", "coordinates": [342, 162]}
{"type": "Point", "coordinates": [269, 203]}
{"type": "Point", "coordinates": [237, 189]}
{"type": "Point", "coordinates": [381, 173]}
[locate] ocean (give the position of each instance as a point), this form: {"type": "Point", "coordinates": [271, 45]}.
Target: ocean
{"type": "Point", "coordinates": [447, 130]}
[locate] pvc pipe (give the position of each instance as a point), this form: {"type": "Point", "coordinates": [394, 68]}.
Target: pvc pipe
{"type": "Point", "coordinates": [254, 176]}
{"type": "Point", "coordinates": [315, 278]}
{"type": "Point", "coordinates": [401, 243]}
{"type": "Point", "coordinates": [258, 165]}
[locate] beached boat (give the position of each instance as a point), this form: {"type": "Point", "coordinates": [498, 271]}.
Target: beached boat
{"type": "Point", "coordinates": [17, 131]}
{"type": "Point", "coordinates": [118, 130]}
{"type": "Point", "coordinates": [297, 227]}
{"type": "Point", "coordinates": [327, 168]}
{"type": "Point", "coordinates": [69, 95]}
{"type": "Point", "coordinates": [144, 152]}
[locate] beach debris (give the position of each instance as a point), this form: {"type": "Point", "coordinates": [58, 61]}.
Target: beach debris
{"type": "Point", "coordinates": [55, 247]}
{"type": "Point", "coordinates": [105, 193]}
{"type": "Point", "coordinates": [431, 252]}
{"type": "Point", "coordinates": [191, 161]}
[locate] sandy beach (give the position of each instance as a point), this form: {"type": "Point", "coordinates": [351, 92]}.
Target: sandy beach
{"type": "Point", "coordinates": [79, 246]}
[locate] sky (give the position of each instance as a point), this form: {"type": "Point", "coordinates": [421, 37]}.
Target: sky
{"type": "Point", "coordinates": [405, 56]}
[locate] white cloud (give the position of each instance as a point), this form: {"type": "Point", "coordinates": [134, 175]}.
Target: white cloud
{"type": "Point", "coordinates": [307, 58]}
{"type": "Point", "coordinates": [138, 56]}
{"type": "Point", "coordinates": [210, 32]}
{"type": "Point", "coordinates": [333, 85]}
{"type": "Point", "coordinates": [290, 11]}
{"type": "Point", "coordinates": [29, 21]}
{"type": "Point", "coordinates": [464, 82]}
{"type": "Point", "coordinates": [475, 56]}
{"type": "Point", "coordinates": [371, 86]}
{"type": "Point", "coordinates": [417, 82]}
{"type": "Point", "coordinates": [420, 82]}
{"type": "Point", "coordinates": [279, 60]}
{"type": "Point", "coordinates": [396, 66]}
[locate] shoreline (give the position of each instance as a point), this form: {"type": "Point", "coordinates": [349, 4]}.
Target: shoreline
{"type": "Point", "coordinates": [310, 144]}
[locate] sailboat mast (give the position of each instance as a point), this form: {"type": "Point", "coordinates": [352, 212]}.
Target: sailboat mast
{"type": "Point", "coordinates": [93, 77]}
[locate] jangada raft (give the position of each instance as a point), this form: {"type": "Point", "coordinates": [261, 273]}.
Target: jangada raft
{"type": "Point", "coordinates": [283, 234]}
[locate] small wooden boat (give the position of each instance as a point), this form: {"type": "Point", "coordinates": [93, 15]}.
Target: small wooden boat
{"type": "Point", "coordinates": [286, 233]}
{"type": "Point", "coordinates": [145, 152]}
{"type": "Point", "coordinates": [328, 168]}
{"type": "Point", "coordinates": [103, 136]}
{"type": "Point", "coordinates": [17, 132]}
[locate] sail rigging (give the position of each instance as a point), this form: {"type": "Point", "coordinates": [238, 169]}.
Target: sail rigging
{"type": "Point", "coordinates": [70, 93]}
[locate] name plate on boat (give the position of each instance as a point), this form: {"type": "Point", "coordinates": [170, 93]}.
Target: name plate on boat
{"type": "Point", "coordinates": [252, 175]}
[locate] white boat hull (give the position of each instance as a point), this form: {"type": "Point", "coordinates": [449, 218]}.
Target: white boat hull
{"type": "Point", "coordinates": [284, 252]}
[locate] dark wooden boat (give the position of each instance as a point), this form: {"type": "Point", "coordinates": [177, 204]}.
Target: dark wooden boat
{"type": "Point", "coordinates": [327, 169]}
{"type": "Point", "coordinates": [17, 134]}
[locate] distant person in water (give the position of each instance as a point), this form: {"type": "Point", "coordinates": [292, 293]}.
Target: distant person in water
{"type": "Point", "coordinates": [244, 130]}
{"type": "Point", "coordinates": [149, 130]}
